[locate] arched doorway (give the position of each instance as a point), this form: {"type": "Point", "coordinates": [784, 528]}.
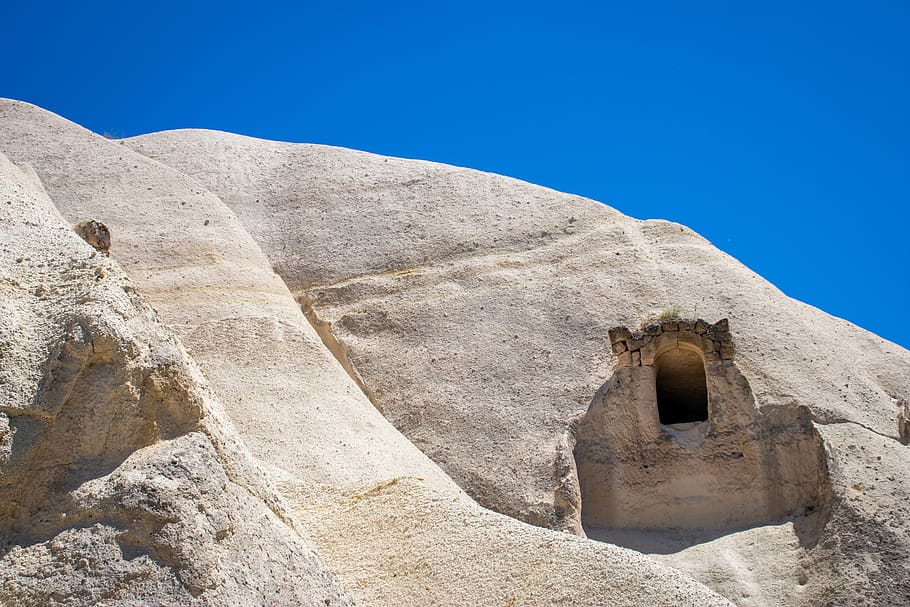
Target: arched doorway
{"type": "Point", "coordinates": [682, 391]}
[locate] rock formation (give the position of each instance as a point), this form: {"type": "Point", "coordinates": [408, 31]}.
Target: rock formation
{"type": "Point", "coordinates": [122, 482]}
{"type": "Point", "coordinates": [654, 452]}
{"type": "Point", "coordinates": [324, 293]}
{"type": "Point", "coordinates": [96, 234]}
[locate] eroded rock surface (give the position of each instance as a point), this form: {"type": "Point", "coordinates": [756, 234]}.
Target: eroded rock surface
{"type": "Point", "coordinates": [677, 441]}
{"type": "Point", "coordinates": [333, 455]}
{"type": "Point", "coordinates": [120, 480]}
{"type": "Point", "coordinates": [475, 309]}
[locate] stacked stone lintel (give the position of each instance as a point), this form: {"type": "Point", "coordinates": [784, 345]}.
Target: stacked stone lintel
{"type": "Point", "coordinates": [627, 344]}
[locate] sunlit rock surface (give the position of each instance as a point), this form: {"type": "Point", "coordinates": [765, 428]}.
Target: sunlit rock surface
{"type": "Point", "coordinates": [325, 292]}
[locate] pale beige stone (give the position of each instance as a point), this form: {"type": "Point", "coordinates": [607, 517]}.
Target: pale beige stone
{"type": "Point", "coordinates": [331, 452]}
{"type": "Point", "coordinates": [624, 359]}
{"type": "Point", "coordinates": [463, 262]}
{"type": "Point", "coordinates": [456, 302]}
{"type": "Point", "coordinates": [121, 481]}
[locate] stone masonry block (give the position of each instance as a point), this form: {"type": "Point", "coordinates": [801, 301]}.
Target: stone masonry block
{"type": "Point", "coordinates": [721, 326]}
{"type": "Point", "coordinates": [638, 344]}
{"type": "Point", "coordinates": [619, 334]}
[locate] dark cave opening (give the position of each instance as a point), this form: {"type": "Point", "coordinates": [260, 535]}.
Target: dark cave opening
{"type": "Point", "coordinates": [682, 392]}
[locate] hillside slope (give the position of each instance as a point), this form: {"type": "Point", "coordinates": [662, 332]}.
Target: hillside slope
{"type": "Point", "coordinates": [393, 527]}
{"type": "Point", "coordinates": [122, 480]}
{"type": "Point", "coordinates": [474, 310]}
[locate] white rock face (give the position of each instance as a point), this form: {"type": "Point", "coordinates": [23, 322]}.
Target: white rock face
{"type": "Point", "coordinates": [393, 527]}
{"type": "Point", "coordinates": [473, 311]}
{"type": "Point", "coordinates": [120, 480]}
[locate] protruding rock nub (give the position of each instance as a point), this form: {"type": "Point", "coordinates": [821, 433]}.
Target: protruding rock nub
{"type": "Point", "coordinates": [96, 234]}
{"type": "Point", "coordinates": [903, 421]}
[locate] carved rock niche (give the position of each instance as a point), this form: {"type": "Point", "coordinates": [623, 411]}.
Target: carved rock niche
{"type": "Point", "coordinates": [676, 441]}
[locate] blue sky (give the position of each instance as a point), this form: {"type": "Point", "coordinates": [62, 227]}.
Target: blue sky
{"type": "Point", "coordinates": [778, 130]}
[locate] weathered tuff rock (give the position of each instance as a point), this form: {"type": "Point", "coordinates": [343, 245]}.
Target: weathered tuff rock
{"type": "Point", "coordinates": [393, 527]}
{"type": "Point", "coordinates": [120, 480]}
{"type": "Point", "coordinates": [654, 452]}
{"type": "Point", "coordinates": [96, 234]}
{"type": "Point", "coordinates": [475, 309]}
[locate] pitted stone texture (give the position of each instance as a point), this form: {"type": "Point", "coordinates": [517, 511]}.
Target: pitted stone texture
{"type": "Point", "coordinates": [302, 414]}
{"type": "Point", "coordinates": [120, 480]}
{"type": "Point", "coordinates": [495, 317]}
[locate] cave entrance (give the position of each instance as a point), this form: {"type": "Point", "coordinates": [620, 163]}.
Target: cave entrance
{"type": "Point", "coordinates": [682, 391]}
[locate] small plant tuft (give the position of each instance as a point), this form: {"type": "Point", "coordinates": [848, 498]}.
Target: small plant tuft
{"type": "Point", "coordinates": [670, 312]}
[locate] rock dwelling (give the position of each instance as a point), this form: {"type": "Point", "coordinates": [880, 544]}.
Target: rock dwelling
{"type": "Point", "coordinates": [676, 440]}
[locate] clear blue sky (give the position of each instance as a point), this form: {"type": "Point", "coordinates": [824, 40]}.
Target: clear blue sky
{"type": "Point", "coordinates": [778, 130]}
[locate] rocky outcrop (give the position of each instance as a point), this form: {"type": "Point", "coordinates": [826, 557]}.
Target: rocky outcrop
{"type": "Point", "coordinates": [382, 515]}
{"type": "Point", "coordinates": [120, 480]}
{"type": "Point", "coordinates": [475, 310]}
